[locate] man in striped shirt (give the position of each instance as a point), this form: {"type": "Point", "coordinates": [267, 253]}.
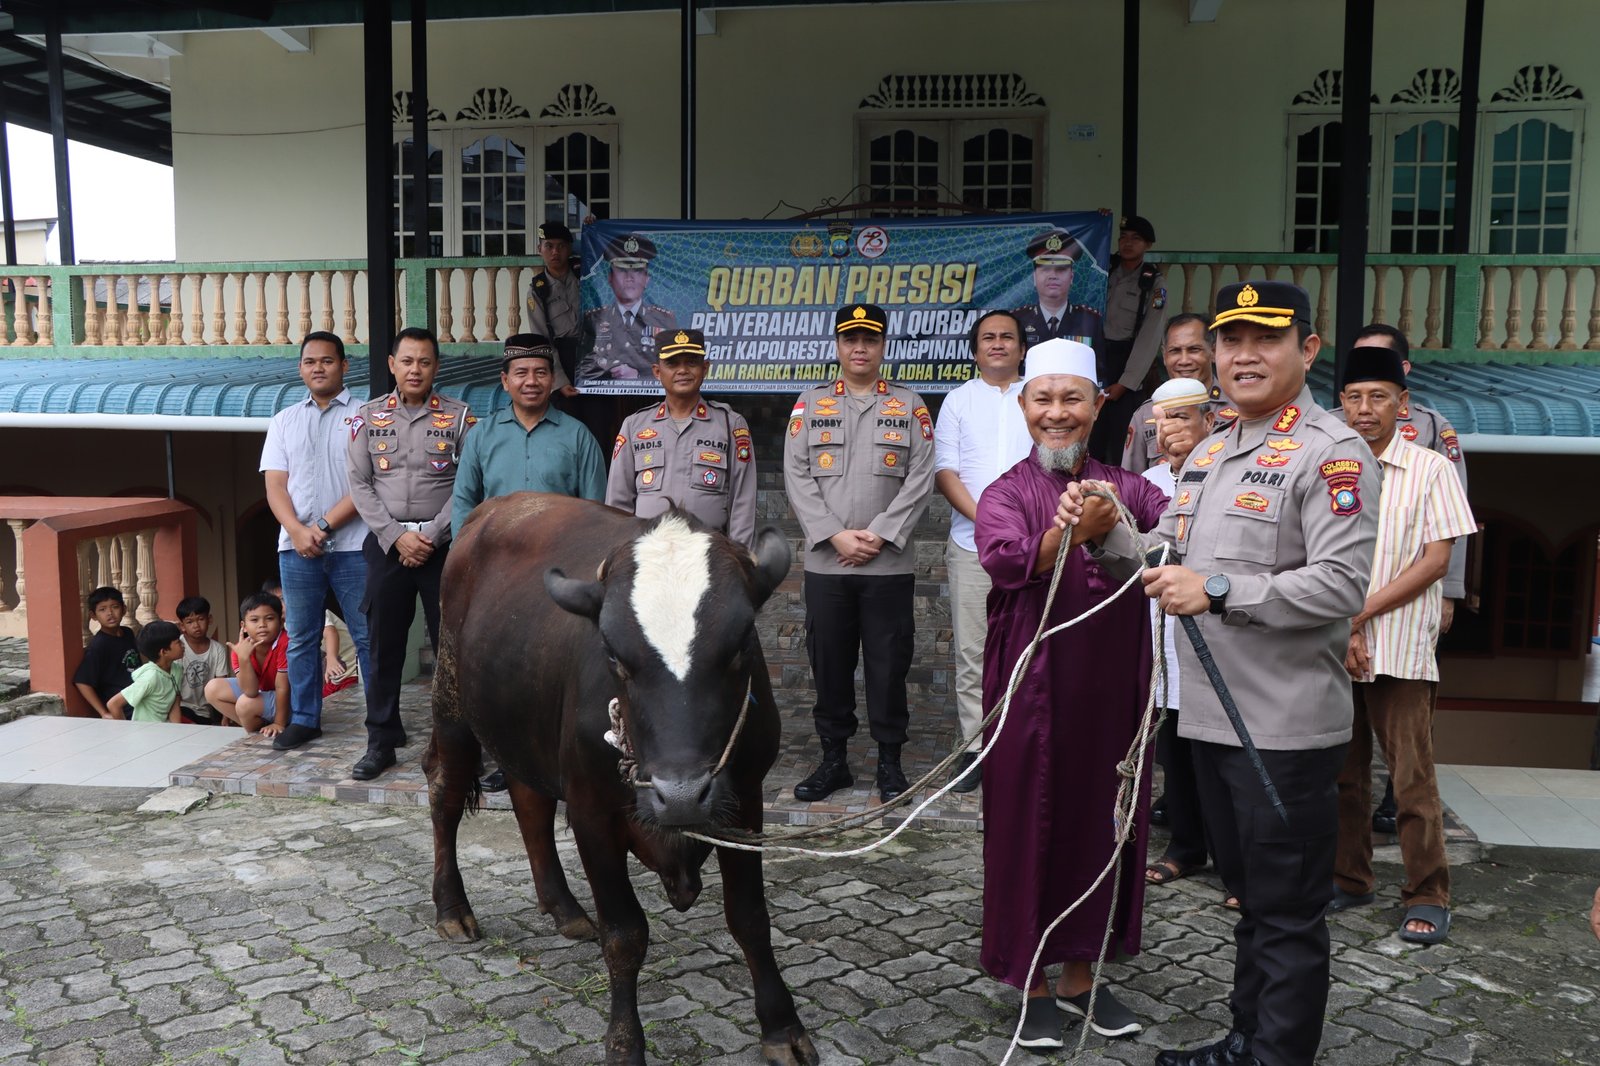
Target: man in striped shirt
{"type": "Point", "coordinates": [1421, 511]}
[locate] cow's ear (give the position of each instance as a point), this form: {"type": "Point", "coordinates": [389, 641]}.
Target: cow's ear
{"type": "Point", "coordinates": [772, 558]}
{"type": "Point", "coordinates": [578, 597]}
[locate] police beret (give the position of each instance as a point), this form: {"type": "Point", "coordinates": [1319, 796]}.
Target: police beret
{"type": "Point", "coordinates": [1140, 225]}
{"type": "Point", "coordinates": [526, 346]}
{"type": "Point", "coordinates": [1276, 304]}
{"type": "Point", "coordinates": [861, 316]}
{"type": "Point", "coordinates": [632, 252]}
{"type": "Point", "coordinates": [1055, 247]}
{"type": "Point", "coordinates": [554, 231]}
{"type": "Point", "coordinates": [671, 342]}
{"type": "Point", "coordinates": [1372, 362]}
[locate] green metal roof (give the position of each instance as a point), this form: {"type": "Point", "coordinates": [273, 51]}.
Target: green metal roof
{"type": "Point", "coordinates": [1499, 399]}
{"type": "Point", "coordinates": [206, 387]}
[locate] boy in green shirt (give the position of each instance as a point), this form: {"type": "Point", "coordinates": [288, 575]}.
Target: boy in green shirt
{"type": "Point", "coordinates": [153, 695]}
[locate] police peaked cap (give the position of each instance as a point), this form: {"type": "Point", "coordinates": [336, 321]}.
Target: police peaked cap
{"type": "Point", "coordinates": [869, 317]}
{"type": "Point", "coordinates": [1275, 304]}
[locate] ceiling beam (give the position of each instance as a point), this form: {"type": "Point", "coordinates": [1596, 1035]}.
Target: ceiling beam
{"type": "Point", "coordinates": [131, 45]}
{"type": "Point", "coordinates": [292, 39]}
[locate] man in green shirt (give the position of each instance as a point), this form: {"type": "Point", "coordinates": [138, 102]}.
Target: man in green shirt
{"type": "Point", "coordinates": [528, 446]}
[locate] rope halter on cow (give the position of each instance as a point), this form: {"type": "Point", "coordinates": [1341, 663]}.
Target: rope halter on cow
{"type": "Point", "coordinates": [628, 764]}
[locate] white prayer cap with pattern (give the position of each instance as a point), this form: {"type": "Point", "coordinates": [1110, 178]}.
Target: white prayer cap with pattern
{"type": "Point", "coordinates": [1179, 392]}
{"type": "Point", "coordinates": [1060, 356]}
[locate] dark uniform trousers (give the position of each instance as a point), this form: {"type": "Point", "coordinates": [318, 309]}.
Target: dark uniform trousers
{"type": "Point", "coordinates": [1283, 877]}
{"type": "Point", "coordinates": [1110, 431]}
{"type": "Point", "coordinates": [392, 590]}
{"type": "Point", "coordinates": [869, 614]}
{"type": "Point", "coordinates": [1188, 846]}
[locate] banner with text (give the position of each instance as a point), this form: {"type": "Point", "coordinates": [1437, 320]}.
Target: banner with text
{"type": "Point", "coordinates": [765, 293]}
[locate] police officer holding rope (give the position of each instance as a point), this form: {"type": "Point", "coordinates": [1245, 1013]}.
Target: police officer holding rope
{"type": "Point", "coordinates": [1274, 523]}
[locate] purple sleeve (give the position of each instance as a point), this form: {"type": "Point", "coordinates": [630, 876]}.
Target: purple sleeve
{"type": "Point", "coordinates": [1007, 548]}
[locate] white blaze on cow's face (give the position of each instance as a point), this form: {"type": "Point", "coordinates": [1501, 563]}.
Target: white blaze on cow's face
{"type": "Point", "coordinates": [671, 576]}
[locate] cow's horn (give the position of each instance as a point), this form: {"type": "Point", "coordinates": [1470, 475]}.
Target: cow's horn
{"type": "Point", "coordinates": [772, 558]}
{"type": "Point", "coordinates": [578, 597]}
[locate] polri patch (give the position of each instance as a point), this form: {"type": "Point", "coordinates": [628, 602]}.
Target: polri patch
{"type": "Point", "coordinates": [711, 477]}
{"type": "Point", "coordinates": [439, 465]}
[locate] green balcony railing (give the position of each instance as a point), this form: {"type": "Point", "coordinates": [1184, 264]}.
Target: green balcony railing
{"type": "Point", "coordinates": [1453, 308]}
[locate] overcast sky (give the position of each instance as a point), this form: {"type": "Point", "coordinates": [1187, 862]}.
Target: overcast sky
{"type": "Point", "coordinates": [121, 206]}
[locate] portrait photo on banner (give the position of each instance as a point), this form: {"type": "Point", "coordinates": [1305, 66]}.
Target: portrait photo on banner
{"type": "Point", "coordinates": [765, 293]}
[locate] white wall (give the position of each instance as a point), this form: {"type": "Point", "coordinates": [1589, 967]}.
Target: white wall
{"type": "Point", "coordinates": [779, 91]}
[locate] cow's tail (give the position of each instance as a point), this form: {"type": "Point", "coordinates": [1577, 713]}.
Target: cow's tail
{"type": "Point", "coordinates": [451, 730]}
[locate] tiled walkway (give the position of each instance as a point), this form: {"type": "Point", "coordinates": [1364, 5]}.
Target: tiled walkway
{"type": "Point", "coordinates": [52, 750]}
{"type": "Point", "coordinates": [1541, 808]}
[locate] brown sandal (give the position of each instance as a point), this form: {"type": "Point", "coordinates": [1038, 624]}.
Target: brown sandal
{"type": "Point", "coordinates": [1164, 871]}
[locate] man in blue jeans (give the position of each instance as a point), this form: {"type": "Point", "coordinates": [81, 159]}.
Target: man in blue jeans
{"type": "Point", "coordinates": [319, 548]}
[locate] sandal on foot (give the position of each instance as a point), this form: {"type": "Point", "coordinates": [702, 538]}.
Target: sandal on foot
{"type": "Point", "coordinates": [1438, 917]}
{"type": "Point", "coordinates": [1343, 901]}
{"type": "Point", "coordinates": [1164, 871]}
{"type": "Point", "coordinates": [1231, 902]}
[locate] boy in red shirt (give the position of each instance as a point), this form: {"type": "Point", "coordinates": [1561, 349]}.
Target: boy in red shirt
{"type": "Point", "coordinates": [258, 699]}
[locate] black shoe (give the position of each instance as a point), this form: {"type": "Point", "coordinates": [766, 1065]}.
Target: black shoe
{"type": "Point", "coordinates": [403, 741]}
{"type": "Point", "coordinates": [495, 782]}
{"type": "Point", "coordinates": [373, 763]}
{"type": "Point", "coordinates": [1231, 1050]}
{"type": "Point", "coordinates": [294, 735]}
{"type": "Point", "coordinates": [1110, 1017]}
{"type": "Point", "coordinates": [967, 775]}
{"type": "Point", "coordinates": [1158, 810]}
{"type": "Point", "coordinates": [1041, 1025]}
{"type": "Point", "coordinates": [828, 778]}
{"type": "Point", "coordinates": [1383, 818]}
{"type": "Point", "coordinates": [891, 779]}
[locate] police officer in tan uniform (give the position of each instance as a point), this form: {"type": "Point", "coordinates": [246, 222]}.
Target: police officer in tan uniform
{"type": "Point", "coordinates": [1186, 351]}
{"type": "Point", "coordinates": [554, 303]}
{"type": "Point", "coordinates": [403, 450]}
{"type": "Point", "coordinates": [686, 450]}
{"type": "Point", "coordinates": [623, 332]}
{"type": "Point", "coordinates": [1136, 293]}
{"type": "Point", "coordinates": [1055, 254]}
{"type": "Point", "coordinates": [1274, 523]}
{"type": "Point", "coordinates": [858, 467]}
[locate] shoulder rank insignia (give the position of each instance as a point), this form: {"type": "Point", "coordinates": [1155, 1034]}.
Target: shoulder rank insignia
{"type": "Point", "coordinates": [700, 411]}
{"type": "Point", "coordinates": [394, 401]}
{"type": "Point", "coordinates": [1344, 485]}
{"type": "Point", "coordinates": [838, 387]}
{"type": "Point", "coordinates": [433, 401]}
{"type": "Point", "coordinates": [1408, 431]}
{"type": "Point", "coordinates": [661, 411]}
{"type": "Point", "coordinates": [1216, 446]}
{"type": "Point", "coordinates": [1183, 527]}
{"type": "Point", "coordinates": [882, 387]}
{"type": "Point", "coordinates": [1287, 419]}
{"type": "Point", "coordinates": [1183, 498]}
{"type": "Point", "coordinates": [472, 420]}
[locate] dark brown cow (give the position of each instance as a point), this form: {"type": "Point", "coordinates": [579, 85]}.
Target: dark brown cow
{"type": "Point", "coordinates": [660, 616]}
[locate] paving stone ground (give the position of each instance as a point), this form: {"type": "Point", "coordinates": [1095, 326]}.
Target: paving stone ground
{"type": "Point", "coordinates": [261, 931]}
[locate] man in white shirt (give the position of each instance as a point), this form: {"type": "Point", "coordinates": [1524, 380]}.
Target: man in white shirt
{"type": "Point", "coordinates": [980, 435]}
{"type": "Point", "coordinates": [319, 548]}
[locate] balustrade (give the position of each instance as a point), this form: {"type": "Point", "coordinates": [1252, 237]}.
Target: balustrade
{"type": "Point", "coordinates": [62, 548]}
{"type": "Point", "coordinates": [1454, 304]}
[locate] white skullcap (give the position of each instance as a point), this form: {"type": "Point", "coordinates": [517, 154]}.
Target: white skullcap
{"type": "Point", "coordinates": [1179, 392]}
{"type": "Point", "coordinates": [1060, 356]}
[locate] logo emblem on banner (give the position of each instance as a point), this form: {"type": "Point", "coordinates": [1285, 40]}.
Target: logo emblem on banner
{"type": "Point", "coordinates": [872, 241]}
{"type": "Point", "coordinates": [839, 239]}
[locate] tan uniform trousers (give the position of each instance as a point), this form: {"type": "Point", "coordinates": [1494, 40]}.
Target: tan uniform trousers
{"type": "Point", "coordinates": [969, 625]}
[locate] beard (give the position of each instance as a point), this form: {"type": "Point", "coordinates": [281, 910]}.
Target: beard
{"type": "Point", "coordinates": [1068, 460]}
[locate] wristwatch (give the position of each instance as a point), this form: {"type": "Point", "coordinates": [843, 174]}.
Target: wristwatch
{"type": "Point", "coordinates": [1217, 590]}
{"type": "Point", "coordinates": [322, 524]}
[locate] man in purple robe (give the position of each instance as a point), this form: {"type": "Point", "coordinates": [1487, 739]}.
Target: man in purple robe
{"type": "Point", "coordinates": [1050, 782]}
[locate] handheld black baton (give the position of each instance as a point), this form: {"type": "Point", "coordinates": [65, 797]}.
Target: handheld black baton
{"type": "Point", "coordinates": [1202, 651]}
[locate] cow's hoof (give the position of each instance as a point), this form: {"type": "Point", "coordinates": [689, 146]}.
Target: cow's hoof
{"type": "Point", "coordinates": [461, 929]}
{"type": "Point", "coordinates": [578, 927]}
{"type": "Point", "coordinates": [790, 1047]}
